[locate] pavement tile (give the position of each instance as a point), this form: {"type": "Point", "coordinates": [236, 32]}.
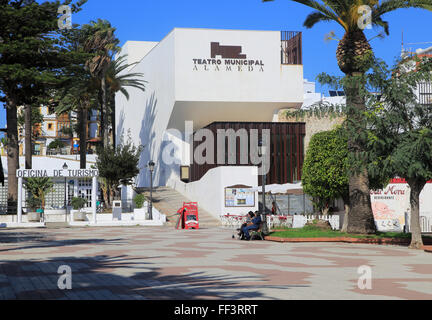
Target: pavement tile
{"type": "Point", "coordinates": [159, 263]}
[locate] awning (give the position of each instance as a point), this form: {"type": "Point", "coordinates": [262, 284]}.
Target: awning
{"type": "Point", "coordinates": [289, 188]}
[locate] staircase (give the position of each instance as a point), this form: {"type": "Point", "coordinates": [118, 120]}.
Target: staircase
{"type": "Point", "coordinates": [168, 201]}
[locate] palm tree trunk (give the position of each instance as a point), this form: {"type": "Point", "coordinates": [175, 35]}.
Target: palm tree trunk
{"type": "Point", "coordinates": [102, 115]}
{"type": "Point", "coordinates": [346, 217]}
{"type": "Point", "coordinates": [113, 119]}
{"type": "Point", "coordinates": [361, 218]}
{"type": "Point", "coordinates": [415, 228]}
{"type": "Point", "coordinates": [12, 154]}
{"type": "Point", "coordinates": [28, 136]}
{"type": "Point", "coordinates": [82, 115]}
{"type": "Point", "coordinates": [105, 131]}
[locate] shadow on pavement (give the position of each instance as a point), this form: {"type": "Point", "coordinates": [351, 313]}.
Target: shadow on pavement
{"type": "Point", "coordinates": [109, 278]}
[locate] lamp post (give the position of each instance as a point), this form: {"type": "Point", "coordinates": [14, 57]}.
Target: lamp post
{"type": "Point", "coordinates": [262, 151]}
{"type": "Point", "coordinates": [65, 167]}
{"type": "Point", "coordinates": [151, 166]}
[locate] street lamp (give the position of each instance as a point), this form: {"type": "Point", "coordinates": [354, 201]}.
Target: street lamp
{"type": "Point", "coordinates": [262, 151]}
{"type": "Point", "coordinates": [151, 166]}
{"type": "Point", "coordinates": [65, 167]}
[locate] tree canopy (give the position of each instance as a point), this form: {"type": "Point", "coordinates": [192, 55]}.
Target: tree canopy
{"type": "Point", "coordinates": [325, 169]}
{"type": "Point", "coordinates": [118, 166]}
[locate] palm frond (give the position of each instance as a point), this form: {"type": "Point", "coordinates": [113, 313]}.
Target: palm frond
{"type": "Point", "coordinates": [314, 18]}
{"type": "Point", "coordinates": [392, 5]}
{"type": "Point", "coordinates": [330, 9]}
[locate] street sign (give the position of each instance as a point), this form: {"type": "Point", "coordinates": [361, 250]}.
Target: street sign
{"type": "Point", "coordinates": [51, 173]}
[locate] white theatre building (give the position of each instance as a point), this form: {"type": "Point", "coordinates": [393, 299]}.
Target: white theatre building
{"type": "Point", "coordinates": [213, 79]}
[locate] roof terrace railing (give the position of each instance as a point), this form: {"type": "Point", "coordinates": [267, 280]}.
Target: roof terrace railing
{"type": "Point", "coordinates": [291, 47]}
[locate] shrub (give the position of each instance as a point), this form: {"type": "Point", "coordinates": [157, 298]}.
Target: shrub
{"type": "Point", "coordinates": [139, 201]}
{"type": "Point", "coordinates": [78, 203]}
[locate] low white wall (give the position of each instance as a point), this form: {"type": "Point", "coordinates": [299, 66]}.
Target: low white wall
{"type": "Point", "coordinates": [300, 221]}
{"type": "Point", "coordinates": [209, 192]}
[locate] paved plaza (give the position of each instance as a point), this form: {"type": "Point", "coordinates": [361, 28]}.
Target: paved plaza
{"type": "Point", "coordinates": [162, 263]}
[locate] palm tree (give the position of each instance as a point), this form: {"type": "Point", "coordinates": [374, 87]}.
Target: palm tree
{"type": "Point", "coordinates": [80, 97]}
{"type": "Point", "coordinates": [354, 57]}
{"type": "Point", "coordinates": [39, 188]}
{"type": "Point", "coordinates": [117, 80]}
{"type": "Point", "coordinates": [102, 42]}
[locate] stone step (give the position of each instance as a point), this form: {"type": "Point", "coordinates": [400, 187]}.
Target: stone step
{"type": "Point", "coordinates": [56, 225]}
{"type": "Point", "coordinates": [168, 201]}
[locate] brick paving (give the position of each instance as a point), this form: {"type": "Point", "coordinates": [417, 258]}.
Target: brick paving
{"type": "Point", "coordinates": [162, 263]}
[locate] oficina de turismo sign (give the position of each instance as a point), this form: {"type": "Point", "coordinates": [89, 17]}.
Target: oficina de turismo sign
{"type": "Point", "coordinates": [52, 173]}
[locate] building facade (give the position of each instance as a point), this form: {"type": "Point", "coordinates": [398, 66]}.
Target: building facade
{"type": "Point", "coordinates": [60, 128]}
{"type": "Point", "coordinates": [198, 79]}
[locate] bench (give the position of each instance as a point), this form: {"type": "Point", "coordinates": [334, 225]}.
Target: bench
{"type": "Point", "coordinates": [257, 234]}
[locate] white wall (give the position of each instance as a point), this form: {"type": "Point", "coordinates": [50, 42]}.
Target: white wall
{"type": "Point", "coordinates": [209, 192]}
{"type": "Point", "coordinates": [276, 83]}
{"type": "Point", "coordinates": [137, 50]}
{"type": "Point", "coordinates": [145, 115]}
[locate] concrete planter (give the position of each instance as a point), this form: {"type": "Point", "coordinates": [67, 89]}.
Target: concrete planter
{"type": "Point", "coordinates": [79, 216]}
{"type": "Point", "coordinates": [34, 217]}
{"type": "Point", "coordinates": [140, 214]}
{"type": "Point", "coordinates": [140, 211]}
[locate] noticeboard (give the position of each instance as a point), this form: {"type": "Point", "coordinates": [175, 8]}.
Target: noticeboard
{"type": "Point", "coordinates": [239, 197]}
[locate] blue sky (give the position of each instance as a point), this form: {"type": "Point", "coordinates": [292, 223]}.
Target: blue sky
{"type": "Point", "coordinates": [152, 20]}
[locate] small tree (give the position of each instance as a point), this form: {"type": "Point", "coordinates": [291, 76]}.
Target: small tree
{"type": "Point", "coordinates": [56, 144]}
{"type": "Point", "coordinates": [117, 166]}
{"type": "Point", "coordinates": [139, 201]}
{"type": "Point", "coordinates": [39, 188]}
{"type": "Point", "coordinates": [325, 170]}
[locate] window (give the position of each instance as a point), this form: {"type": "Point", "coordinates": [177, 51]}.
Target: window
{"type": "Point", "coordinates": [50, 126]}
{"type": "Point", "coordinates": [425, 93]}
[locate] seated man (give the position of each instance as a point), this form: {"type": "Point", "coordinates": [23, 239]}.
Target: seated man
{"type": "Point", "coordinates": [249, 218]}
{"type": "Point", "coordinates": [254, 225]}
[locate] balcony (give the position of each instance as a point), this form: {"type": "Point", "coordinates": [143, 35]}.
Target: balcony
{"type": "Point", "coordinates": [291, 48]}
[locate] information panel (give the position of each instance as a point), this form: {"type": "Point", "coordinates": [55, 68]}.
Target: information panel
{"type": "Point", "coordinates": [239, 197]}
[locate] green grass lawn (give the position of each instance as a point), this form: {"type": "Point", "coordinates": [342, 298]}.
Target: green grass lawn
{"type": "Point", "coordinates": [314, 232]}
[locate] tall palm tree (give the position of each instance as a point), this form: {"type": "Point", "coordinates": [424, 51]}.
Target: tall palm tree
{"type": "Point", "coordinates": [354, 57]}
{"type": "Point", "coordinates": [118, 80]}
{"type": "Point", "coordinates": [103, 43]}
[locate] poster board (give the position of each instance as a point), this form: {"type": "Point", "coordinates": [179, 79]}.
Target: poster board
{"type": "Point", "coordinates": [239, 196]}
{"type": "Point", "coordinates": [390, 207]}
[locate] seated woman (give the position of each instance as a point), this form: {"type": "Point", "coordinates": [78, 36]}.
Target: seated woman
{"type": "Point", "coordinates": [254, 225]}
{"type": "Point", "coordinates": [249, 218]}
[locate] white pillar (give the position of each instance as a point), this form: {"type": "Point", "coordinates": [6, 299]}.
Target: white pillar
{"type": "Point", "coordinates": [20, 194]}
{"type": "Point", "coordinates": [75, 193]}
{"type": "Point", "coordinates": [94, 198]}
